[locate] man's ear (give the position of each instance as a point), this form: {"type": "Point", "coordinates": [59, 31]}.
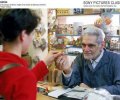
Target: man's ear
{"type": "Point", "coordinates": [23, 35]}
{"type": "Point", "coordinates": [103, 44]}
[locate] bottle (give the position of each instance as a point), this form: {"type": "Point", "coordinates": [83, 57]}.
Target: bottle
{"type": "Point", "coordinates": [107, 44]}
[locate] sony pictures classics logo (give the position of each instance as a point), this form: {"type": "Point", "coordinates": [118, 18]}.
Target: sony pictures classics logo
{"type": "Point", "coordinates": [101, 2]}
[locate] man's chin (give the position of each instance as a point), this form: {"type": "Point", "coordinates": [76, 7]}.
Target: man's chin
{"type": "Point", "coordinates": [87, 57]}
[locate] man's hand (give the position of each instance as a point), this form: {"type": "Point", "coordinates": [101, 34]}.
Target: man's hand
{"type": "Point", "coordinates": [52, 55]}
{"type": "Point", "coordinates": [84, 85]}
{"type": "Point", "coordinates": [63, 63]}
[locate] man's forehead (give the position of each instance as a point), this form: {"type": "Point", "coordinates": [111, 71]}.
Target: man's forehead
{"type": "Point", "coordinates": [89, 37]}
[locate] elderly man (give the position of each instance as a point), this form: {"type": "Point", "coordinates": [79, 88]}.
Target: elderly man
{"type": "Point", "coordinates": [96, 67]}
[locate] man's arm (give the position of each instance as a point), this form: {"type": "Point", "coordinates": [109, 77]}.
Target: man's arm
{"type": "Point", "coordinates": [115, 88]}
{"type": "Point", "coordinates": [76, 76]}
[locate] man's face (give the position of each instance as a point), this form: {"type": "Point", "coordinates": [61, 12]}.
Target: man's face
{"type": "Point", "coordinates": [91, 49]}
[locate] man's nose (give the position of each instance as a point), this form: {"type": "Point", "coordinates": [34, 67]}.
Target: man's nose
{"type": "Point", "coordinates": [86, 48]}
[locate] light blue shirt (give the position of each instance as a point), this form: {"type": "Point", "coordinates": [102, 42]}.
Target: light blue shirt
{"type": "Point", "coordinates": [95, 62]}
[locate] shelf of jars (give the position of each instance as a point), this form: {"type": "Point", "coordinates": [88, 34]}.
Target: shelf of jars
{"type": "Point", "coordinates": [113, 43]}
{"type": "Point", "coordinates": [62, 35]}
{"type": "Point", "coordinates": [67, 43]}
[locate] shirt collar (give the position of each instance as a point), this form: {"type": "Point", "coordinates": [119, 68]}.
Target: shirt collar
{"type": "Point", "coordinates": [99, 57]}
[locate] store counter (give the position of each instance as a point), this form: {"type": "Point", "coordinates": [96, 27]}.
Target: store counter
{"type": "Point", "coordinates": [45, 86]}
{"type": "Point", "coordinates": [44, 97]}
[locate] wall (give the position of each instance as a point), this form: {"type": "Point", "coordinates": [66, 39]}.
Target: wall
{"type": "Point", "coordinates": [37, 51]}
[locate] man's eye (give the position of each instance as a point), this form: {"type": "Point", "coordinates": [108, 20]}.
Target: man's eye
{"type": "Point", "coordinates": [84, 45]}
{"type": "Point", "coordinates": [91, 45]}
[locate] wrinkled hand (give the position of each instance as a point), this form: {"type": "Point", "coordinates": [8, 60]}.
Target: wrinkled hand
{"type": "Point", "coordinates": [84, 85]}
{"type": "Point", "coordinates": [52, 55]}
{"type": "Point", "coordinates": [63, 63]}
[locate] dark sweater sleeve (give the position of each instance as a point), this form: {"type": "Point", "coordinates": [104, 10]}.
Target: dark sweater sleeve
{"type": "Point", "coordinates": [75, 78]}
{"type": "Point", "coordinates": [40, 70]}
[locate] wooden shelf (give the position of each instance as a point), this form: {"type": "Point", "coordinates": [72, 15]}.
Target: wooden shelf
{"type": "Point", "coordinates": [78, 15]}
{"type": "Point", "coordinates": [67, 35]}
{"type": "Point", "coordinates": [114, 36]}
